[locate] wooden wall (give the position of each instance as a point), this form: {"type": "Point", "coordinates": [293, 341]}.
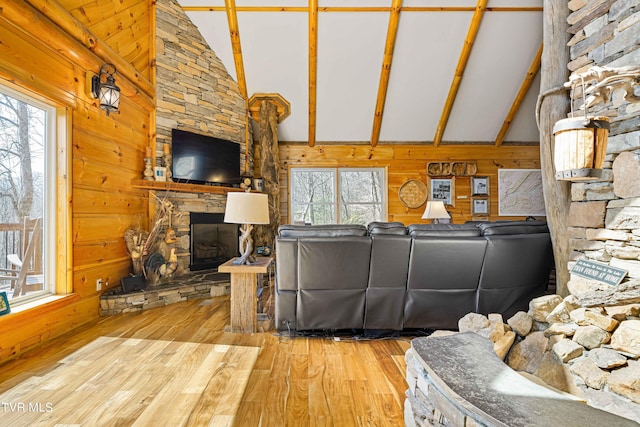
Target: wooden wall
{"type": "Point", "coordinates": [405, 162]}
{"type": "Point", "coordinates": [37, 54]}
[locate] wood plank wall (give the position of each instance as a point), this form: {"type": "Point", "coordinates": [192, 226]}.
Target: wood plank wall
{"type": "Point", "coordinates": [409, 161]}
{"type": "Point", "coordinates": [107, 151]}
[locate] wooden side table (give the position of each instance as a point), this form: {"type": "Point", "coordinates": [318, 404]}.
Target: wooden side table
{"type": "Point", "coordinates": [243, 292]}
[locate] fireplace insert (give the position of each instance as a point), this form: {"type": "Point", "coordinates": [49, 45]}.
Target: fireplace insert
{"type": "Point", "coordinates": [213, 242]}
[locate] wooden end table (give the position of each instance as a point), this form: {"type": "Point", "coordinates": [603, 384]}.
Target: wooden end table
{"type": "Point", "coordinates": [244, 302]}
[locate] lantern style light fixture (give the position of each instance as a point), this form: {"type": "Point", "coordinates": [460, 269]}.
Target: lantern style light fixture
{"type": "Point", "coordinates": [103, 88]}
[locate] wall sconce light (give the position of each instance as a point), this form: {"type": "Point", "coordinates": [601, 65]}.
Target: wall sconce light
{"type": "Point", "coordinates": [103, 88]}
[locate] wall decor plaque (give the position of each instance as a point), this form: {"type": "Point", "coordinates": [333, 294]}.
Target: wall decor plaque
{"type": "Point", "coordinates": [413, 193]}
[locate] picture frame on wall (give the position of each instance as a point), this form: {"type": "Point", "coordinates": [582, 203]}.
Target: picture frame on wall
{"type": "Point", "coordinates": [160, 173]}
{"type": "Point", "coordinates": [480, 206]}
{"type": "Point", "coordinates": [4, 304]}
{"type": "Point", "coordinates": [480, 186]}
{"type": "Point", "coordinates": [442, 190]}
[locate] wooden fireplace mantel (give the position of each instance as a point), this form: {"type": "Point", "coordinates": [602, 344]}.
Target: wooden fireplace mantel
{"type": "Point", "coordinates": [181, 187]}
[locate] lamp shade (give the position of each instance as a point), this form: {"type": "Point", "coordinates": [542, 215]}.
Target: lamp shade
{"type": "Point", "coordinates": [247, 208]}
{"type": "Point", "coordinates": [435, 210]}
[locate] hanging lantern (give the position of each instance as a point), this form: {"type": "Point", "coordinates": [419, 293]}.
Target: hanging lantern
{"type": "Point", "coordinates": [580, 147]}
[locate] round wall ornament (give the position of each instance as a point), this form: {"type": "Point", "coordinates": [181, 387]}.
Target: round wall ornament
{"type": "Point", "coordinates": [413, 193]}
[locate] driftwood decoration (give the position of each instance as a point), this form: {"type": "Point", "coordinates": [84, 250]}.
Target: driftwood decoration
{"type": "Point", "coordinates": [264, 235]}
{"type": "Point", "coordinates": [451, 168]}
{"type": "Point", "coordinates": [598, 83]}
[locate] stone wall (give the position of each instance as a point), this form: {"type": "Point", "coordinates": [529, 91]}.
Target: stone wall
{"type": "Point", "coordinates": [604, 216]}
{"type": "Point", "coordinates": [194, 91]}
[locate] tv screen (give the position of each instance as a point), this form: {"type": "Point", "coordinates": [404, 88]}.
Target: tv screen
{"type": "Point", "coordinates": [204, 159]}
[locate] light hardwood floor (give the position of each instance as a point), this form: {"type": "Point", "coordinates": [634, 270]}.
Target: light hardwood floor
{"type": "Point", "coordinates": [294, 382]}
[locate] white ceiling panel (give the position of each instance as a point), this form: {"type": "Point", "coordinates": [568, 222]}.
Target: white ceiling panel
{"type": "Point", "coordinates": [350, 53]}
{"type": "Point", "coordinates": [421, 72]}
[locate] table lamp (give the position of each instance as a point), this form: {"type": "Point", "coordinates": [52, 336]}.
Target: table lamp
{"type": "Point", "coordinates": [246, 209]}
{"type": "Point", "coordinates": [436, 211]}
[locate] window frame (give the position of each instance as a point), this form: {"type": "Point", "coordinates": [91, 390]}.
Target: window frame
{"type": "Point", "coordinates": [337, 205]}
{"type": "Point", "coordinates": [57, 246]}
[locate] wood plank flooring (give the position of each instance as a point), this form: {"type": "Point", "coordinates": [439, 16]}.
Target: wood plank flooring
{"type": "Point", "coordinates": [294, 381]}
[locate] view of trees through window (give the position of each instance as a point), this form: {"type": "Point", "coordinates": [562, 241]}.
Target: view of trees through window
{"type": "Point", "coordinates": [343, 195]}
{"type": "Point", "coordinates": [23, 131]}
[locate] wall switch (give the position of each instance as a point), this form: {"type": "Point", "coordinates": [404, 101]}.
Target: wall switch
{"type": "Point", "coordinates": [98, 284]}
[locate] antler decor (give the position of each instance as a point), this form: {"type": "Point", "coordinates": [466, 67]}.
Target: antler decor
{"type": "Point", "coordinates": [599, 83]}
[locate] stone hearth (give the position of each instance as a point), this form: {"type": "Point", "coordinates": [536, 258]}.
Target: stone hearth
{"type": "Point", "coordinates": [192, 286]}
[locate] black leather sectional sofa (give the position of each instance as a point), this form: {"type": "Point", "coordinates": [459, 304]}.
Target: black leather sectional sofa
{"type": "Point", "coordinates": [390, 277]}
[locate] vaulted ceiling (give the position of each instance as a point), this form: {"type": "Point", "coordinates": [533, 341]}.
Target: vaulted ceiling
{"type": "Point", "coordinates": [385, 71]}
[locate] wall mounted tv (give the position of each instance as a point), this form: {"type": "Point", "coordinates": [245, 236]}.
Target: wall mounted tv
{"type": "Point", "coordinates": [204, 159]}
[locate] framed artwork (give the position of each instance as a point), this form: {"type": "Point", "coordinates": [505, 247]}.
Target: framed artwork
{"type": "Point", "coordinates": [4, 303]}
{"type": "Point", "coordinates": [479, 185]}
{"type": "Point", "coordinates": [480, 207]}
{"type": "Point", "coordinates": [520, 192]}
{"type": "Point", "coordinates": [442, 190]}
{"type": "Point", "coordinates": [160, 173]}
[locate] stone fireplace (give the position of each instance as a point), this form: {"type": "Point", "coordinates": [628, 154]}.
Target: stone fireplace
{"type": "Point", "coordinates": [201, 215]}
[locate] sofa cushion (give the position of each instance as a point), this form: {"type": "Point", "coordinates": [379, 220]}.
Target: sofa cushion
{"type": "Point", "coordinates": [395, 228]}
{"type": "Point", "coordinates": [444, 230]}
{"type": "Point", "coordinates": [329, 230]}
{"type": "Point", "coordinates": [513, 227]}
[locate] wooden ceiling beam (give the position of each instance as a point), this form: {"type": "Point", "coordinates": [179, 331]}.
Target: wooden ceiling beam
{"type": "Point", "coordinates": [234, 33]}
{"type": "Point", "coordinates": [481, 6]}
{"type": "Point", "coordinates": [359, 9]}
{"type": "Point", "coordinates": [313, 68]}
{"type": "Point", "coordinates": [390, 43]}
{"type": "Point", "coordinates": [517, 102]}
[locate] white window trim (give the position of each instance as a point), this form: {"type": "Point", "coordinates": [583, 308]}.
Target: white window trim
{"type": "Point", "coordinates": [57, 215]}
{"type": "Point", "coordinates": [336, 203]}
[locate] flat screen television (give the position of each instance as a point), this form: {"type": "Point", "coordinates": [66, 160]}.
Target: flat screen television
{"type": "Point", "coordinates": [204, 159]}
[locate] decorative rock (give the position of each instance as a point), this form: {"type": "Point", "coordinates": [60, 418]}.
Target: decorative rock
{"type": "Point", "coordinates": [567, 329]}
{"type": "Point", "coordinates": [493, 332]}
{"type": "Point", "coordinates": [600, 320]}
{"type": "Point", "coordinates": [503, 345]}
{"type": "Point", "coordinates": [587, 214]}
{"type": "Point", "coordinates": [627, 166]}
{"type": "Point", "coordinates": [606, 358]}
{"type": "Point", "coordinates": [521, 323]}
{"type": "Point", "coordinates": [560, 314]}
{"type": "Point", "coordinates": [626, 381]}
{"type": "Point", "coordinates": [591, 336]}
{"type": "Point", "coordinates": [627, 337]}
{"type": "Point", "coordinates": [571, 302]}
{"type": "Point", "coordinates": [620, 312]}
{"type": "Point", "coordinates": [442, 333]}
{"type": "Point", "coordinates": [578, 316]}
{"type": "Point", "coordinates": [593, 376]}
{"type": "Point", "coordinates": [552, 371]}
{"type": "Point", "coordinates": [567, 350]}
{"type": "Point", "coordinates": [527, 354]}
{"type": "Point", "coordinates": [541, 307]}
{"type": "Point", "coordinates": [472, 322]}
{"type": "Point", "coordinates": [627, 292]}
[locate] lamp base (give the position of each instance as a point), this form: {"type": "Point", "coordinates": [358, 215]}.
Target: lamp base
{"type": "Point", "coordinates": [245, 245]}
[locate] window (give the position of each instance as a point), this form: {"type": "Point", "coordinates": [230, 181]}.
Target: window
{"type": "Point", "coordinates": [27, 195]}
{"type": "Point", "coordinates": [342, 195]}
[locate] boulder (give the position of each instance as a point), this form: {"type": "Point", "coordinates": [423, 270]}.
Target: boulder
{"type": "Point", "coordinates": [560, 314]}
{"type": "Point", "coordinates": [541, 307]}
{"type": "Point", "coordinates": [567, 350]}
{"type": "Point", "coordinates": [600, 320]}
{"type": "Point", "coordinates": [591, 336]}
{"type": "Point", "coordinates": [606, 358]}
{"type": "Point", "coordinates": [626, 381]}
{"type": "Point", "coordinates": [503, 345]}
{"type": "Point", "coordinates": [528, 353]}
{"type": "Point", "coordinates": [551, 370]}
{"type": "Point", "coordinates": [627, 337]}
{"type": "Point", "coordinates": [521, 323]}
{"type": "Point", "coordinates": [472, 322]}
{"type": "Point", "coordinates": [592, 376]}
{"type": "Point", "coordinates": [566, 329]}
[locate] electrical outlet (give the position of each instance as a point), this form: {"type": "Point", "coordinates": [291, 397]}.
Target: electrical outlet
{"type": "Point", "coordinates": [98, 284]}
